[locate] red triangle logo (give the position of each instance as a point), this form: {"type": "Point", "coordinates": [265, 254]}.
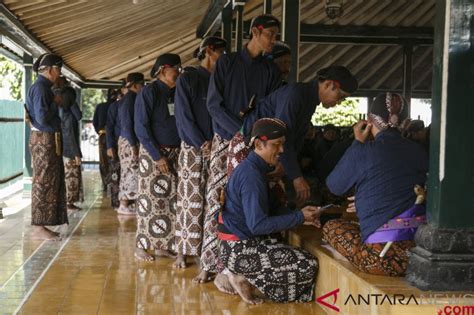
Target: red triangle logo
{"type": "Point", "coordinates": [322, 298]}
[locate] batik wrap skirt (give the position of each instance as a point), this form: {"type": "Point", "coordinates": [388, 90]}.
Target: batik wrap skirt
{"type": "Point", "coordinates": [193, 174]}
{"type": "Point", "coordinates": [48, 194]}
{"type": "Point", "coordinates": [113, 180]}
{"type": "Point", "coordinates": [344, 236]}
{"type": "Point", "coordinates": [103, 160]}
{"type": "Point", "coordinates": [73, 176]}
{"type": "Point", "coordinates": [128, 171]}
{"type": "Point", "coordinates": [281, 272]}
{"type": "Point", "coordinates": [214, 187]}
{"type": "Point", "coordinates": [156, 202]}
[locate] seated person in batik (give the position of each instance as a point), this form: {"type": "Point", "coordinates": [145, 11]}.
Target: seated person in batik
{"type": "Point", "coordinates": [384, 172]}
{"type": "Point", "coordinates": [251, 249]}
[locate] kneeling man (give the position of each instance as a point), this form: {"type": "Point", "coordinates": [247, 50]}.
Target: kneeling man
{"type": "Point", "coordinates": [251, 249]}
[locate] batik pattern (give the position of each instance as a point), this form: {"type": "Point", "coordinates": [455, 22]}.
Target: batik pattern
{"type": "Point", "coordinates": [128, 189]}
{"type": "Point", "coordinates": [281, 272]}
{"type": "Point", "coordinates": [156, 202]}
{"type": "Point", "coordinates": [48, 193]}
{"type": "Point", "coordinates": [73, 177]}
{"type": "Point", "coordinates": [193, 174]}
{"type": "Point", "coordinates": [344, 236]}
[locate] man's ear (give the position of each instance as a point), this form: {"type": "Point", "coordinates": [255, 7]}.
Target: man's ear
{"type": "Point", "coordinates": [255, 31]}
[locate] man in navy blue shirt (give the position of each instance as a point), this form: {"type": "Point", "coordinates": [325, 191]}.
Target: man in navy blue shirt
{"type": "Point", "coordinates": [384, 172]}
{"type": "Point", "coordinates": [48, 193]}
{"type": "Point", "coordinates": [112, 128]}
{"type": "Point", "coordinates": [250, 249]}
{"type": "Point", "coordinates": [295, 104]}
{"type": "Point", "coordinates": [99, 122]}
{"type": "Point", "coordinates": [237, 78]}
{"type": "Point", "coordinates": [128, 144]}
{"type": "Point", "coordinates": [155, 127]}
{"type": "Point", "coordinates": [195, 129]}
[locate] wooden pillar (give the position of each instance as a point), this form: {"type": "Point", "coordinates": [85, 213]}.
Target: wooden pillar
{"type": "Point", "coordinates": [239, 32]}
{"type": "Point", "coordinates": [291, 34]}
{"type": "Point", "coordinates": [27, 170]}
{"type": "Point", "coordinates": [267, 6]}
{"type": "Point", "coordinates": [227, 25]}
{"type": "Point", "coordinates": [407, 74]}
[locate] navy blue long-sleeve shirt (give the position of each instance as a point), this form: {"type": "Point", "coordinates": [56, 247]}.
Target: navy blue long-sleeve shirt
{"type": "Point", "coordinates": [384, 172]}
{"type": "Point", "coordinates": [112, 126]}
{"type": "Point", "coordinates": [40, 103]}
{"type": "Point", "coordinates": [155, 126]}
{"type": "Point", "coordinates": [100, 116]}
{"type": "Point", "coordinates": [70, 115]}
{"type": "Point", "coordinates": [126, 118]}
{"type": "Point", "coordinates": [192, 118]}
{"type": "Point", "coordinates": [247, 211]}
{"type": "Point", "coordinates": [236, 78]}
{"type": "Point", "coordinates": [295, 105]}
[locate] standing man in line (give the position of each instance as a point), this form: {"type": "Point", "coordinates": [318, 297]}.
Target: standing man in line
{"type": "Point", "coordinates": [128, 145]}
{"type": "Point", "coordinates": [195, 129]}
{"type": "Point", "coordinates": [238, 77]}
{"type": "Point", "coordinates": [48, 194]}
{"type": "Point", "coordinates": [100, 119]}
{"type": "Point", "coordinates": [112, 128]}
{"type": "Point", "coordinates": [155, 127]}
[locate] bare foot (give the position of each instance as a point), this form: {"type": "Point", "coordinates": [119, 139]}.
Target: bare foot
{"type": "Point", "coordinates": [180, 262]}
{"type": "Point", "coordinates": [42, 233]}
{"type": "Point", "coordinates": [223, 284]}
{"type": "Point", "coordinates": [142, 255]}
{"type": "Point", "coordinates": [244, 289]}
{"type": "Point", "coordinates": [203, 277]}
{"type": "Point", "coordinates": [165, 253]}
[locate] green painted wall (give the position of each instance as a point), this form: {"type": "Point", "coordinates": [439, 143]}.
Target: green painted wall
{"type": "Point", "coordinates": [11, 140]}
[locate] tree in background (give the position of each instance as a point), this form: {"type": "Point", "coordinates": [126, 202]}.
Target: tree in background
{"type": "Point", "coordinates": [90, 99]}
{"type": "Point", "coordinates": [11, 75]}
{"type": "Point", "coordinates": [342, 115]}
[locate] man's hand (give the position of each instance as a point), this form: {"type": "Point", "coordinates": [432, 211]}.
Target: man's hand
{"type": "Point", "coordinates": [302, 189]}
{"type": "Point", "coordinates": [361, 133]}
{"type": "Point", "coordinates": [111, 153]}
{"type": "Point", "coordinates": [278, 172]}
{"type": "Point", "coordinates": [163, 165]}
{"type": "Point", "coordinates": [351, 208]}
{"type": "Point", "coordinates": [77, 160]}
{"type": "Point", "coordinates": [311, 216]}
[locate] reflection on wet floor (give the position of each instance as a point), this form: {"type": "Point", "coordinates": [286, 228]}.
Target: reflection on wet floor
{"type": "Point", "coordinates": [95, 272]}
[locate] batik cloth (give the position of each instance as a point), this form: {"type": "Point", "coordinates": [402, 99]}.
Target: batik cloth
{"type": "Point", "coordinates": [191, 201]}
{"type": "Point", "coordinates": [156, 202]}
{"type": "Point", "coordinates": [48, 193]}
{"type": "Point", "coordinates": [73, 177]}
{"type": "Point", "coordinates": [281, 272]}
{"type": "Point", "coordinates": [215, 185]}
{"type": "Point", "coordinates": [128, 189]}
{"type": "Point", "coordinates": [103, 160]}
{"type": "Point", "coordinates": [344, 236]}
{"type": "Point", "coordinates": [113, 180]}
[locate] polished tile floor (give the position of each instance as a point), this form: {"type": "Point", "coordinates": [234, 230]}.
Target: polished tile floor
{"type": "Point", "coordinates": [93, 271]}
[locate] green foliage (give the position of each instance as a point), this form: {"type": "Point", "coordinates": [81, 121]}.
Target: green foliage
{"type": "Point", "coordinates": [11, 75]}
{"type": "Point", "coordinates": [90, 99]}
{"type": "Point", "coordinates": [342, 115]}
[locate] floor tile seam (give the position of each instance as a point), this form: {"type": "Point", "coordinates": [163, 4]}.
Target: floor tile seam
{"type": "Point", "coordinates": [104, 287]}
{"type": "Point", "coordinates": [28, 294]}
